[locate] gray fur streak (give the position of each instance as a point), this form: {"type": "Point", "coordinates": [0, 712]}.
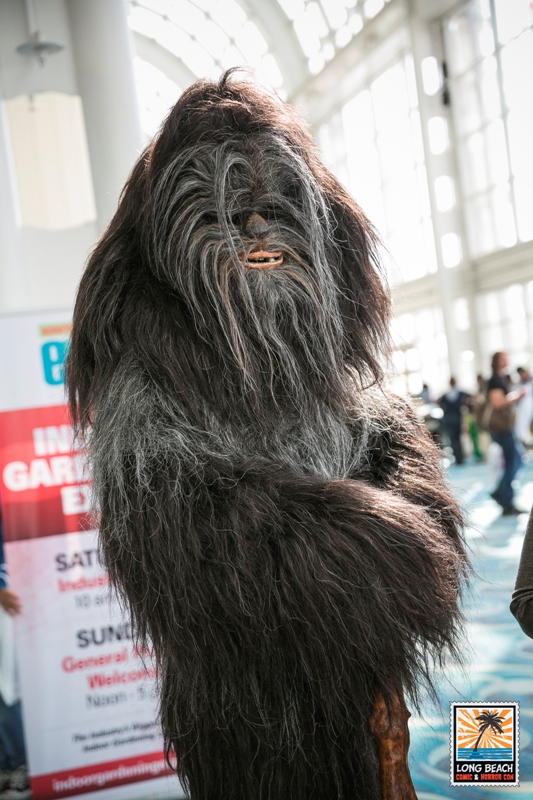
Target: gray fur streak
{"type": "Point", "coordinates": [320, 442]}
{"type": "Point", "coordinates": [192, 232]}
{"type": "Point", "coordinates": [138, 419]}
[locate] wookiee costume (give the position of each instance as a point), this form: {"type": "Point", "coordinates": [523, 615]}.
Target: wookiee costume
{"type": "Point", "coordinates": [277, 524]}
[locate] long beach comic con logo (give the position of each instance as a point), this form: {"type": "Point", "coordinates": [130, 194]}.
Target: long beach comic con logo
{"type": "Point", "coordinates": [54, 351]}
{"type": "Point", "coordinates": [484, 744]}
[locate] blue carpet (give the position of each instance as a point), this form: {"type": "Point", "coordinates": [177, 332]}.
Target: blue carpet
{"type": "Point", "coordinates": [499, 657]}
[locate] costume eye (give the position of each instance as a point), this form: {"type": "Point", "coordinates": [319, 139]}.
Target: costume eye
{"type": "Point", "coordinates": [210, 218]}
{"type": "Point", "coordinates": [291, 189]}
{"type": "Point", "coordinates": [272, 212]}
{"type": "Point", "coordinates": [239, 219]}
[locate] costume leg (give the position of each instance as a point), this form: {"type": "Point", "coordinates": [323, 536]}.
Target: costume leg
{"type": "Point", "coordinates": [389, 726]}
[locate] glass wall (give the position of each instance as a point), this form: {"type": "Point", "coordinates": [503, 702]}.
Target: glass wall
{"type": "Point", "coordinates": [326, 26]}
{"type": "Point", "coordinates": [506, 323]}
{"type": "Point", "coordinates": [489, 53]}
{"type": "Point", "coordinates": [156, 94]}
{"type": "Point", "coordinates": [209, 36]}
{"type": "Point", "coordinates": [374, 145]}
{"type": "Point", "coordinates": [421, 354]}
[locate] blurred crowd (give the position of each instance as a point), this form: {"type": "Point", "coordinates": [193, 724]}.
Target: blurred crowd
{"type": "Point", "coordinates": [493, 424]}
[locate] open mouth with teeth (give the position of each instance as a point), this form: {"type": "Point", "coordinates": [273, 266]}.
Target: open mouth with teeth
{"type": "Point", "coordinates": [262, 259]}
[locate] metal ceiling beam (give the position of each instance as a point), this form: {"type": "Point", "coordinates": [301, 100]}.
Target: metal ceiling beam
{"type": "Point", "coordinates": [273, 24]}
{"type": "Point", "coordinates": [282, 41]}
{"type": "Point", "coordinates": [172, 66]}
{"type": "Point", "coordinates": [327, 91]}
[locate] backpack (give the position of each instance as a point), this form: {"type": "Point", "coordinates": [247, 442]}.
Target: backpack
{"type": "Point", "coordinates": [494, 420]}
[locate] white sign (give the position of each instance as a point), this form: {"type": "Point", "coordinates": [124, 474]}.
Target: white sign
{"type": "Point", "coordinates": [89, 708]}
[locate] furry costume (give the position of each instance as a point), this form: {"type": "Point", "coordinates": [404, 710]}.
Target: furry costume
{"type": "Point", "coordinates": [276, 523]}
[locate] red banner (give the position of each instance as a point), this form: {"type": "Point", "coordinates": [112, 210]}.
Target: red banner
{"type": "Point", "coordinates": [45, 484]}
{"type": "Point", "coordinates": [99, 776]}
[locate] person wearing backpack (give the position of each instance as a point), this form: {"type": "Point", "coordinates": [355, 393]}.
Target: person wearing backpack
{"type": "Point", "coordinates": [501, 399]}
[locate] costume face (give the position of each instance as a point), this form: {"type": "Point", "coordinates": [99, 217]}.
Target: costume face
{"type": "Point", "coordinates": [242, 230]}
{"type": "Point", "coordinates": [234, 243]}
{"type": "Point", "coordinates": [258, 227]}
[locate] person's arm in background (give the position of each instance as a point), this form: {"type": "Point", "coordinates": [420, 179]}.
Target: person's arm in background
{"type": "Point", "coordinates": [498, 398]}
{"type": "Point", "coordinates": [522, 602]}
{"type": "Point", "coordinates": [9, 601]}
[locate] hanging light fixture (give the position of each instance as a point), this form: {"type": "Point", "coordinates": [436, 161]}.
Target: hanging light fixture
{"type": "Point", "coordinates": [49, 148]}
{"type": "Point", "coordinates": [36, 47]}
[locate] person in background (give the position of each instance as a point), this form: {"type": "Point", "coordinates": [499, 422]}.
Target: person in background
{"type": "Point", "coordinates": [472, 425]}
{"type": "Point", "coordinates": [452, 404]}
{"type": "Point", "coordinates": [524, 408]}
{"type": "Point", "coordinates": [424, 394]}
{"type": "Point", "coordinates": [14, 783]}
{"type": "Point", "coordinates": [501, 395]}
{"type": "Point", "coordinates": [522, 600]}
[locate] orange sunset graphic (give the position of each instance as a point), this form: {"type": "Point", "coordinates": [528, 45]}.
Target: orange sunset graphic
{"type": "Point", "coordinates": [479, 729]}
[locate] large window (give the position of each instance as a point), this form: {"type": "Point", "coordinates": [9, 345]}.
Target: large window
{"type": "Point", "coordinates": [506, 323]}
{"type": "Point", "coordinates": [325, 26]}
{"type": "Point", "coordinates": [421, 352]}
{"type": "Point", "coordinates": [209, 36]}
{"type": "Point", "coordinates": [156, 94]}
{"type": "Point", "coordinates": [374, 145]}
{"type": "Point", "coordinates": [489, 52]}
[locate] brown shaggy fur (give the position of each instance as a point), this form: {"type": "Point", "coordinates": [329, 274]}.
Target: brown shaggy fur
{"type": "Point", "coordinates": [276, 523]}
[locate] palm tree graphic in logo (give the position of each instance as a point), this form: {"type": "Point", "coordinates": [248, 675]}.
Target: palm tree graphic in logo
{"type": "Point", "coordinates": [488, 719]}
{"type": "Point", "coordinates": [484, 733]}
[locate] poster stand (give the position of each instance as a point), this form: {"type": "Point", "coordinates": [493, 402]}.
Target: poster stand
{"type": "Point", "coordinates": [88, 698]}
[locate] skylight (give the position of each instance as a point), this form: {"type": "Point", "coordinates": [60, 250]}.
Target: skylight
{"type": "Point", "coordinates": [208, 36]}
{"type": "Point", "coordinates": [324, 27]}
{"type": "Point", "coordinates": [156, 94]}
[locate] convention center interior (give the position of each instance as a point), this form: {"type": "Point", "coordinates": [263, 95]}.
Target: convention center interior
{"type": "Point", "coordinates": [266, 401]}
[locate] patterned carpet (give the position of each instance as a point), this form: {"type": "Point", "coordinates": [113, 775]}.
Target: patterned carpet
{"type": "Point", "coordinates": [499, 664]}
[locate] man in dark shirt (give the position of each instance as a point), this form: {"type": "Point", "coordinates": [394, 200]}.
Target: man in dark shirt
{"type": "Point", "coordinates": [452, 404]}
{"type": "Point", "coordinates": [501, 396]}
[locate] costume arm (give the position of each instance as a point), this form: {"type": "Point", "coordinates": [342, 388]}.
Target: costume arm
{"type": "Point", "coordinates": [404, 459]}
{"type": "Point", "coordinates": [522, 601]}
